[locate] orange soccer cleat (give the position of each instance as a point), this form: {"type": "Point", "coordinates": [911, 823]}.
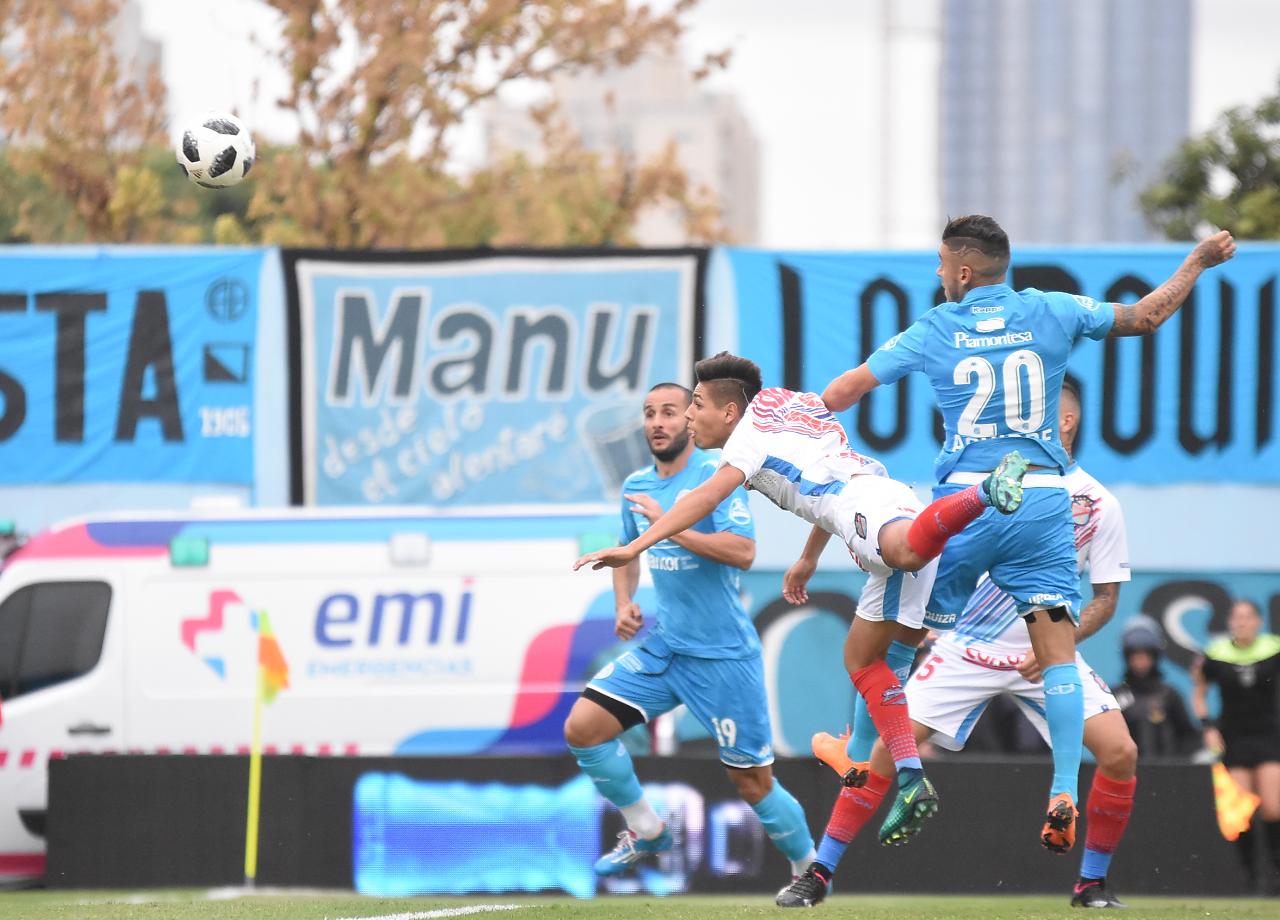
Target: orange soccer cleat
{"type": "Point", "coordinates": [834, 753]}
{"type": "Point", "coordinates": [1060, 824]}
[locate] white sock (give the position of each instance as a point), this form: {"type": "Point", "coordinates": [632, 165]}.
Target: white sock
{"type": "Point", "coordinates": [798, 866]}
{"type": "Point", "coordinates": [642, 819]}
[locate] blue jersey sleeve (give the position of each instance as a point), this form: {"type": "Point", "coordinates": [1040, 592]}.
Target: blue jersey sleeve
{"type": "Point", "coordinates": [733, 515]}
{"type": "Point", "coordinates": [629, 530]}
{"type": "Point", "coordinates": [1082, 316]}
{"type": "Point", "coordinates": [899, 356]}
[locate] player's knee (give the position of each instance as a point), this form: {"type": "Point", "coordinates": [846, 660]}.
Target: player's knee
{"type": "Point", "coordinates": [1119, 760]}
{"type": "Point", "coordinates": [580, 731]}
{"type": "Point", "coordinates": [753, 784]}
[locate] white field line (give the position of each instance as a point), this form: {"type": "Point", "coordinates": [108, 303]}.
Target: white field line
{"type": "Point", "coordinates": [442, 912]}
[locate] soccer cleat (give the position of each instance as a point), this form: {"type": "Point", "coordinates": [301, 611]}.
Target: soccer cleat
{"type": "Point", "coordinates": [1059, 832]}
{"type": "Point", "coordinates": [834, 752]}
{"type": "Point", "coordinates": [1095, 894]}
{"type": "Point", "coordinates": [1003, 488]}
{"type": "Point", "coordinates": [630, 850]}
{"type": "Point", "coordinates": [808, 890]}
{"type": "Point", "coordinates": [914, 804]}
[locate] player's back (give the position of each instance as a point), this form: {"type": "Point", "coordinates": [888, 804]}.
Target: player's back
{"type": "Point", "coordinates": [996, 361]}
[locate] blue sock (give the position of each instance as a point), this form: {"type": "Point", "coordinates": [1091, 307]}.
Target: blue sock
{"type": "Point", "coordinates": [610, 768]}
{"type": "Point", "coordinates": [1094, 864]}
{"type": "Point", "coordinates": [863, 735]}
{"type": "Point", "coordinates": [1064, 711]}
{"type": "Point", "coordinates": [783, 821]}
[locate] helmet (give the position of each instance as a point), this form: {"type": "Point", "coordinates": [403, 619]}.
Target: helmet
{"type": "Point", "coordinates": [1142, 633]}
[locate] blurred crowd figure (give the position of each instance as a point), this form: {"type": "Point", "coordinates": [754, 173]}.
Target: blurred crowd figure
{"type": "Point", "coordinates": [1153, 709]}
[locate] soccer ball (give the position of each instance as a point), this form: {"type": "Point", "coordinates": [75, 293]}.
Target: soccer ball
{"type": "Point", "coordinates": [215, 150]}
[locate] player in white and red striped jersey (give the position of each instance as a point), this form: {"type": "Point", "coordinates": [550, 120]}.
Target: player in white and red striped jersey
{"type": "Point", "coordinates": [793, 451]}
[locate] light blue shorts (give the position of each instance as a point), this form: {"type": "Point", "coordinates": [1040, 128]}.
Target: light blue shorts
{"type": "Point", "coordinates": [1030, 554]}
{"type": "Point", "coordinates": [726, 695]}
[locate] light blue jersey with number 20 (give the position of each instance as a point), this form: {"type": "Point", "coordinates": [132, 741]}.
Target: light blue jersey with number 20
{"type": "Point", "coordinates": [996, 361]}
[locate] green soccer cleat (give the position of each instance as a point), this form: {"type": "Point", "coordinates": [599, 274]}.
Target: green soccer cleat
{"type": "Point", "coordinates": [1003, 488]}
{"type": "Point", "coordinates": [914, 804]}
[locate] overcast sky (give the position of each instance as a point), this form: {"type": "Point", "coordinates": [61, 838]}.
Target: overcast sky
{"type": "Point", "coordinates": [806, 73]}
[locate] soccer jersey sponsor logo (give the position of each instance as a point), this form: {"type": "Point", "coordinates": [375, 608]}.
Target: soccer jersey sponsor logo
{"type": "Point", "coordinates": [1047, 600]}
{"type": "Point", "coordinates": [990, 325]}
{"type": "Point", "coordinates": [992, 661]}
{"type": "Point", "coordinates": [964, 340]}
{"type": "Point", "coordinates": [739, 513]}
{"type": "Point", "coordinates": [860, 524]}
{"type": "Point", "coordinates": [888, 346]}
{"type": "Point", "coordinates": [1060, 689]}
{"type": "Point", "coordinates": [1087, 302]}
{"type": "Point", "coordinates": [671, 563]}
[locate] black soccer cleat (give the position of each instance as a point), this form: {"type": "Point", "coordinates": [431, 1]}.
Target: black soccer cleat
{"type": "Point", "coordinates": [808, 890]}
{"type": "Point", "coordinates": [1095, 894]}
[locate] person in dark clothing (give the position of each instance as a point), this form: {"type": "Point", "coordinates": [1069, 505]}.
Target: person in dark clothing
{"type": "Point", "coordinates": [1245, 666]}
{"type": "Point", "coordinates": [1154, 711]}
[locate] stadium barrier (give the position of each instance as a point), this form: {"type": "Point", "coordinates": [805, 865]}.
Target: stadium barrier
{"type": "Point", "coordinates": [445, 825]}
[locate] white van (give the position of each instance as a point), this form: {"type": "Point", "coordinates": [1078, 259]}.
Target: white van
{"type": "Point", "coordinates": [404, 632]}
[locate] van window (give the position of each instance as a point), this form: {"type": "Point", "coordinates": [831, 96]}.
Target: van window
{"type": "Point", "coordinates": [50, 633]}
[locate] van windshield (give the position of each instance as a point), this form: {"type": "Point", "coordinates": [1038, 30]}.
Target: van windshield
{"type": "Point", "coordinates": [51, 633]}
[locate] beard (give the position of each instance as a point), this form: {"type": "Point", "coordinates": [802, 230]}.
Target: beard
{"type": "Point", "coordinates": [673, 449]}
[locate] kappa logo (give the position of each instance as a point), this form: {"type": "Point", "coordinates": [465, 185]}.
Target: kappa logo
{"type": "Point", "coordinates": [860, 525]}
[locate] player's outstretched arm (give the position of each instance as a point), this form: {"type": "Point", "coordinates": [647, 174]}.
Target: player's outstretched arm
{"type": "Point", "coordinates": [848, 388]}
{"type": "Point", "coordinates": [690, 508]}
{"type": "Point", "coordinates": [1147, 315]}
{"type": "Point", "coordinates": [719, 546]}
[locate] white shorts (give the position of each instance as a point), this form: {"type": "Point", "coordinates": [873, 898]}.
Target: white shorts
{"type": "Point", "coordinates": [867, 504]}
{"type": "Point", "coordinates": [952, 687]}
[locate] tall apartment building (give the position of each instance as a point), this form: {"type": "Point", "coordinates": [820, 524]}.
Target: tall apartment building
{"type": "Point", "coordinates": [1056, 114]}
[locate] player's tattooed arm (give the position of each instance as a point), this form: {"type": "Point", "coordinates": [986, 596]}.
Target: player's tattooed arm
{"type": "Point", "coordinates": [1099, 611]}
{"type": "Point", "coordinates": [1149, 313]}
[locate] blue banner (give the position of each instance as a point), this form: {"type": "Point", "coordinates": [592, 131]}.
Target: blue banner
{"type": "Point", "coordinates": [127, 364]}
{"type": "Point", "coordinates": [1196, 402]}
{"type": "Point", "coordinates": [498, 381]}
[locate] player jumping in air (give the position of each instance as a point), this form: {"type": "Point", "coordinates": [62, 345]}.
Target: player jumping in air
{"type": "Point", "coordinates": [989, 653]}
{"type": "Point", "coordinates": [794, 452]}
{"type": "Point", "coordinates": [703, 651]}
{"type": "Point", "coordinates": [996, 359]}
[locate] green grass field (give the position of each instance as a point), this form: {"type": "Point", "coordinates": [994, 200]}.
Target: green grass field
{"type": "Point", "coordinates": [237, 905]}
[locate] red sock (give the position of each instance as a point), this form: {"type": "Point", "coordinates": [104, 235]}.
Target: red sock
{"type": "Point", "coordinates": [887, 704]}
{"type": "Point", "coordinates": [1110, 804]}
{"type": "Point", "coordinates": [943, 519]}
{"type": "Point", "coordinates": [855, 807]}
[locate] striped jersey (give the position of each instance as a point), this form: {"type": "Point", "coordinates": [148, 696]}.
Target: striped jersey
{"type": "Point", "coordinates": [795, 453]}
{"type": "Point", "coordinates": [991, 616]}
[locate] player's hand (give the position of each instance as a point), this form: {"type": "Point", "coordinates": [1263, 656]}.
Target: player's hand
{"type": "Point", "coordinates": [628, 620]}
{"type": "Point", "coordinates": [1213, 740]}
{"type": "Point", "coordinates": [646, 505]}
{"type": "Point", "coordinates": [1029, 668]}
{"type": "Point", "coordinates": [615, 557]}
{"type": "Point", "coordinates": [797, 577]}
{"type": "Point", "coordinates": [1215, 250]}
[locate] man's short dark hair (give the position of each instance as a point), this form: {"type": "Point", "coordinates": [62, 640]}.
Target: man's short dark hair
{"type": "Point", "coordinates": [1071, 387]}
{"type": "Point", "coordinates": [688, 393]}
{"type": "Point", "coordinates": [977, 231]}
{"type": "Point", "coordinates": [730, 378]}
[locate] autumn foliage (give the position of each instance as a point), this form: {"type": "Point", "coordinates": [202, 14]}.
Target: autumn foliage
{"type": "Point", "coordinates": [379, 89]}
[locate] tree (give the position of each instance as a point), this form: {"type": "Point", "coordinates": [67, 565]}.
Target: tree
{"type": "Point", "coordinates": [78, 125]}
{"type": "Point", "coordinates": [1229, 177]}
{"type": "Point", "coordinates": [379, 89]}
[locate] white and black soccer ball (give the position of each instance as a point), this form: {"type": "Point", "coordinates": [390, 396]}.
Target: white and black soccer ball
{"type": "Point", "coordinates": [215, 150]}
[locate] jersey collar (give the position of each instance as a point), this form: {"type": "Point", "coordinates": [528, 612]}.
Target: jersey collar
{"type": "Point", "coordinates": [986, 292]}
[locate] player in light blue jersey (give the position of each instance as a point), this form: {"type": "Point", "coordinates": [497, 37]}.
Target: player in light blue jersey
{"type": "Point", "coordinates": [987, 654]}
{"type": "Point", "coordinates": [996, 359]}
{"type": "Point", "coordinates": [703, 650]}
